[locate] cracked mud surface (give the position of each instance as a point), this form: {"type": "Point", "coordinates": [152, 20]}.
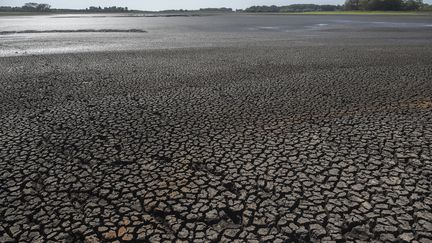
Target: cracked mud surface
{"type": "Point", "coordinates": [217, 144]}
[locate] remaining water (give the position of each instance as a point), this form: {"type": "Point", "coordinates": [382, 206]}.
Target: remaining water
{"type": "Point", "coordinates": [72, 33]}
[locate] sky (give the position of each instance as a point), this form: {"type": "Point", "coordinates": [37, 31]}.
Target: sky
{"type": "Point", "coordinates": [165, 4]}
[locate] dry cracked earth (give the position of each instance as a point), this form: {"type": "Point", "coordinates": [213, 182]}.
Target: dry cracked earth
{"type": "Point", "coordinates": [262, 144]}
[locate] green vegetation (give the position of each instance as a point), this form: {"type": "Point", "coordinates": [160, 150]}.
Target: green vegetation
{"type": "Point", "coordinates": [293, 8]}
{"type": "Point", "coordinates": [207, 10]}
{"type": "Point", "coordinates": [216, 9]}
{"type": "Point", "coordinates": [365, 13]}
{"type": "Point", "coordinates": [383, 5]}
{"type": "Point", "coordinates": [359, 6]}
{"type": "Point", "coordinates": [37, 8]}
{"type": "Point", "coordinates": [427, 7]}
{"type": "Point", "coordinates": [16, 13]}
{"type": "Point", "coordinates": [351, 7]}
{"type": "Point", "coordinates": [112, 9]}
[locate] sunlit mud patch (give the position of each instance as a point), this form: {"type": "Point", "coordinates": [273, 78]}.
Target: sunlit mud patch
{"type": "Point", "coordinates": [317, 26]}
{"type": "Point", "coordinates": [424, 104]}
{"type": "Point", "coordinates": [266, 28]}
{"type": "Point", "coordinates": [73, 31]}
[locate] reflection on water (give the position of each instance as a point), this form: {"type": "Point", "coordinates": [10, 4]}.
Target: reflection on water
{"type": "Point", "coordinates": [97, 32]}
{"type": "Point", "coordinates": [72, 31]}
{"type": "Point", "coordinates": [232, 22]}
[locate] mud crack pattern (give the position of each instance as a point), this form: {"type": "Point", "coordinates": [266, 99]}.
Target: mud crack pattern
{"type": "Point", "coordinates": [223, 144]}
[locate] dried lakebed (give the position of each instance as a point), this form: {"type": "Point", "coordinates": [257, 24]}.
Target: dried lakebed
{"type": "Point", "coordinates": [263, 144]}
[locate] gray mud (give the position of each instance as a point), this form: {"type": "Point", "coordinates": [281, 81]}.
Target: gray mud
{"type": "Point", "coordinates": [329, 139]}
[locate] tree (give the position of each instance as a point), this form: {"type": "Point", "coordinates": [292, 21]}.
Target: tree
{"type": "Point", "coordinates": [352, 5]}
{"type": "Point", "coordinates": [43, 7]}
{"type": "Point", "coordinates": [412, 4]}
{"type": "Point", "coordinates": [31, 5]}
{"type": "Point", "coordinates": [426, 7]}
{"type": "Point", "coordinates": [272, 8]}
{"type": "Point", "coordinates": [36, 7]}
{"type": "Point", "coordinates": [381, 5]}
{"type": "Point", "coordinates": [293, 8]}
{"type": "Point", "coordinates": [385, 5]}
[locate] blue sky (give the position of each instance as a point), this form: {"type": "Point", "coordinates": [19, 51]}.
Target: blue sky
{"type": "Point", "coordinates": [165, 4]}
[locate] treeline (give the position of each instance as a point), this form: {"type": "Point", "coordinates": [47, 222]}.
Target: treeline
{"type": "Point", "coordinates": [216, 9]}
{"type": "Point", "coordinates": [113, 9]}
{"type": "Point", "coordinates": [28, 7]}
{"type": "Point", "coordinates": [369, 5]}
{"type": "Point", "coordinates": [221, 10]}
{"type": "Point", "coordinates": [293, 8]}
{"type": "Point", "coordinates": [384, 5]}
{"type": "Point", "coordinates": [37, 7]}
{"type": "Point", "coordinates": [42, 7]}
{"type": "Point", "coordinates": [427, 7]}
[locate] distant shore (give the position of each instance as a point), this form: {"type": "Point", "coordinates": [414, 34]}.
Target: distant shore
{"type": "Point", "coordinates": [186, 13]}
{"type": "Point", "coordinates": [25, 13]}
{"type": "Point", "coordinates": [356, 13]}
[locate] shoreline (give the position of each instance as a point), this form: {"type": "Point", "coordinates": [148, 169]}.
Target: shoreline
{"type": "Point", "coordinates": [197, 13]}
